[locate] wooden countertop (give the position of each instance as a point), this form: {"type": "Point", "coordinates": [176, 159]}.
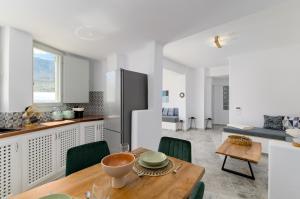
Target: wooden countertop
{"type": "Point", "coordinates": [51, 124]}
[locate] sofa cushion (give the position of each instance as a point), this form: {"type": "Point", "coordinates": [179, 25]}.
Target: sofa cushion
{"type": "Point", "coordinates": [172, 119]}
{"type": "Point", "coordinates": [260, 132]}
{"type": "Point", "coordinates": [170, 112]}
{"type": "Point", "coordinates": [273, 122]}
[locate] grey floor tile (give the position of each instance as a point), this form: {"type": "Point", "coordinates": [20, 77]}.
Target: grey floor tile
{"type": "Point", "coordinates": [220, 184]}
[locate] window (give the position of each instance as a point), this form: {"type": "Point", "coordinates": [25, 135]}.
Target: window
{"type": "Point", "coordinates": [46, 75]}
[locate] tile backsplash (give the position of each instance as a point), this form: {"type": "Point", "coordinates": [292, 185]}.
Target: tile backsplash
{"type": "Point", "coordinates": [11, 120]}
{"type": "Point", "coordinates": [94, 107]}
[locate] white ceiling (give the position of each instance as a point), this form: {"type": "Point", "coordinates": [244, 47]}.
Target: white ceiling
{"type": "Point", "coordinates": [120, 25]}
{"type": "Point", "coordinates": [274, 27]}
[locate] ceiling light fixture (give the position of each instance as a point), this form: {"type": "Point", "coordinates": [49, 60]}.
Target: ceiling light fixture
{"type": "Point", "coordinates": [88, 33]}
{"type": "Point", "coordinates": [218, 41]}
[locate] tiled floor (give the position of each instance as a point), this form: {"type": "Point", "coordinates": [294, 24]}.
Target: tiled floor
{"type": "Point", "coordinates": [220, 184]}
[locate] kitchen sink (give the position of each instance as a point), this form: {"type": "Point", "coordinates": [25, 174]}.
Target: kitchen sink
{"type": "Point", "coordinates": [7, 130]}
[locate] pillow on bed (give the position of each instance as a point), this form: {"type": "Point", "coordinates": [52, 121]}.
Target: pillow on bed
{"type": "Point", "coordinates": [273, 122]}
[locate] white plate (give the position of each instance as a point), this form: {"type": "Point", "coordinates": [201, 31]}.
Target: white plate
{"type": "Point", "coordinates": [143, 164]}
{"type": "Point", "coordinates": [153, 158]}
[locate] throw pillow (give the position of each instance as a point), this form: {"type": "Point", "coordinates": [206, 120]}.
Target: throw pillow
{"type": "Point", "coordinates": [165, 112]}
{"type": "Point", "coordinates": [273, 122]}
{"type": "Point", "coordinates": [171, 112]}
{"type": "Point", "coordinates": [176, 112]}
{"type": "Point", "coordinates": [291, 122]}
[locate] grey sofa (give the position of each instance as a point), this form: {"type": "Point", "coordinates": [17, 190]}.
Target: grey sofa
{"type": "Point", "coordinates": [170, 115]}
{"type": "Point", "coordinates": [261, 132]}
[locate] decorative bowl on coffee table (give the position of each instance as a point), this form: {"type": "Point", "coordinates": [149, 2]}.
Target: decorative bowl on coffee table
{"type": "Point", "coordinates": [118, 165]}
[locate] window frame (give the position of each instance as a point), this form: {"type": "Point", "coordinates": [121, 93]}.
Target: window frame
{"type": "Point", "coordinates": [44, 47]}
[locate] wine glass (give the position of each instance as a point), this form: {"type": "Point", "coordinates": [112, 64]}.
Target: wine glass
{"type": "Point", "coordinates": [125, 147]}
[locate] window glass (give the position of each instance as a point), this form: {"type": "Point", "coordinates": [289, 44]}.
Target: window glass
{"type": "Point", "coordinates": [46, 76]}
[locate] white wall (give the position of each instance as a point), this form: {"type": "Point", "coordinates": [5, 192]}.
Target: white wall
{"type": "Point", "coordinates": [16, 70]}
{"type": "Point", "coordinates": [265, 82]}
{"type": "Point", "coordinates": [196, 95]}
{"type": "Point", "coordinates": [175, 83]}
{"type": "Point", "coordinates": [147, 123]}
{"type": "Point", "coordinates": [218, 71]}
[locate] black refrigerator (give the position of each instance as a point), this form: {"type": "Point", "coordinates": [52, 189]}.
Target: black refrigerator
{"type": "Point", "coordinates": [124, 92]}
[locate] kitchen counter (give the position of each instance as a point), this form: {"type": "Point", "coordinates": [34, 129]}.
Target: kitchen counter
{"type": "Point", "coordinates": [51, 124]}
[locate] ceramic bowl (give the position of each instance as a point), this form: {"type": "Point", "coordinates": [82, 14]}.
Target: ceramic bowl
{"type": "Point", "coordinates": [297, 140]}
{"type": "Point", "coordinates": [153, 158]}
{"type": "Point", "coordinates": [57, 115]}
{"type": "Point", "coordinates": [118, 165]}
{"type": "Point", "coordinates": [68, 114]}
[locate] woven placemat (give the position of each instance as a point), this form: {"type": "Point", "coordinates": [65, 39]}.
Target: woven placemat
{"type": "Point", "coordinates": [153, 172]}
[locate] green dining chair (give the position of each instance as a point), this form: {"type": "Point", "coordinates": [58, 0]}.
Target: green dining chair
{"type": "Point", "coordinates": [198, 191]}
{"type": "Point", "coordinates": [177, 148]}
{"type": "Point", "coordinates": [86, 155]}
{"type": "Point", "coordinates": [181, 149]}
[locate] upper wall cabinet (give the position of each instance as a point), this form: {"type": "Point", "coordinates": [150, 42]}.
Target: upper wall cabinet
{"type": "Point", "coordinates": [75, 80]}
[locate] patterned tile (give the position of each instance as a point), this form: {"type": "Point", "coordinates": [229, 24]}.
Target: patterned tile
{"type": "Point", "coordinates": [94, 107]}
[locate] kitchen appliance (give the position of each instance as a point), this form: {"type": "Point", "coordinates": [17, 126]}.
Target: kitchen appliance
{"type": "Point", "coordinates": [78, 112]}
{"type": "Point", "coordinates": [125, 91]}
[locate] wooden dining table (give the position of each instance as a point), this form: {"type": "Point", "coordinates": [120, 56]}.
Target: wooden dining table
{"type": "Point", "coordinates": [172, 185]}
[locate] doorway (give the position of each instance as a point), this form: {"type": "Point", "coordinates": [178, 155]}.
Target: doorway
{"type": "Point", "coordinates": [220, 100]}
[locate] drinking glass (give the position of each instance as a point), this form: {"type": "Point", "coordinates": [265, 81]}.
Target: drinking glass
{"type": "Point", "coordinates": [102, 191]}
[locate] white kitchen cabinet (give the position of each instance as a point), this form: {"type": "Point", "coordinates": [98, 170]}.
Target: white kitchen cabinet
{"type": "Point", "coordinates": [91, 131]}
{"type": "Point", "coordinates": [113, 140]}
{"type": "Point", "coordinates": [75, 80]}
{"type": "Point", "coordinates": [10, 167]}
{"type": "Point", "coordinates": [99, 130]}
{"type": "Point", "coordinates": [66, 138]}
{"type": "Point", "coordinates": [38, 157]}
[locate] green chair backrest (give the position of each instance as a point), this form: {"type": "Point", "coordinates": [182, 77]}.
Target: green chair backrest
{"type": "Point", "coordinates": [198, 191]}
{"type": "Point", "coordinates": [176, 148]}
{"type": "Point", "coordinates": [86, 155]}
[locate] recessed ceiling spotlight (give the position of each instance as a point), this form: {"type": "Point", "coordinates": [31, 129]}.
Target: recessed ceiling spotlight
{"type": "Point", "coordinates": [88, 33]}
